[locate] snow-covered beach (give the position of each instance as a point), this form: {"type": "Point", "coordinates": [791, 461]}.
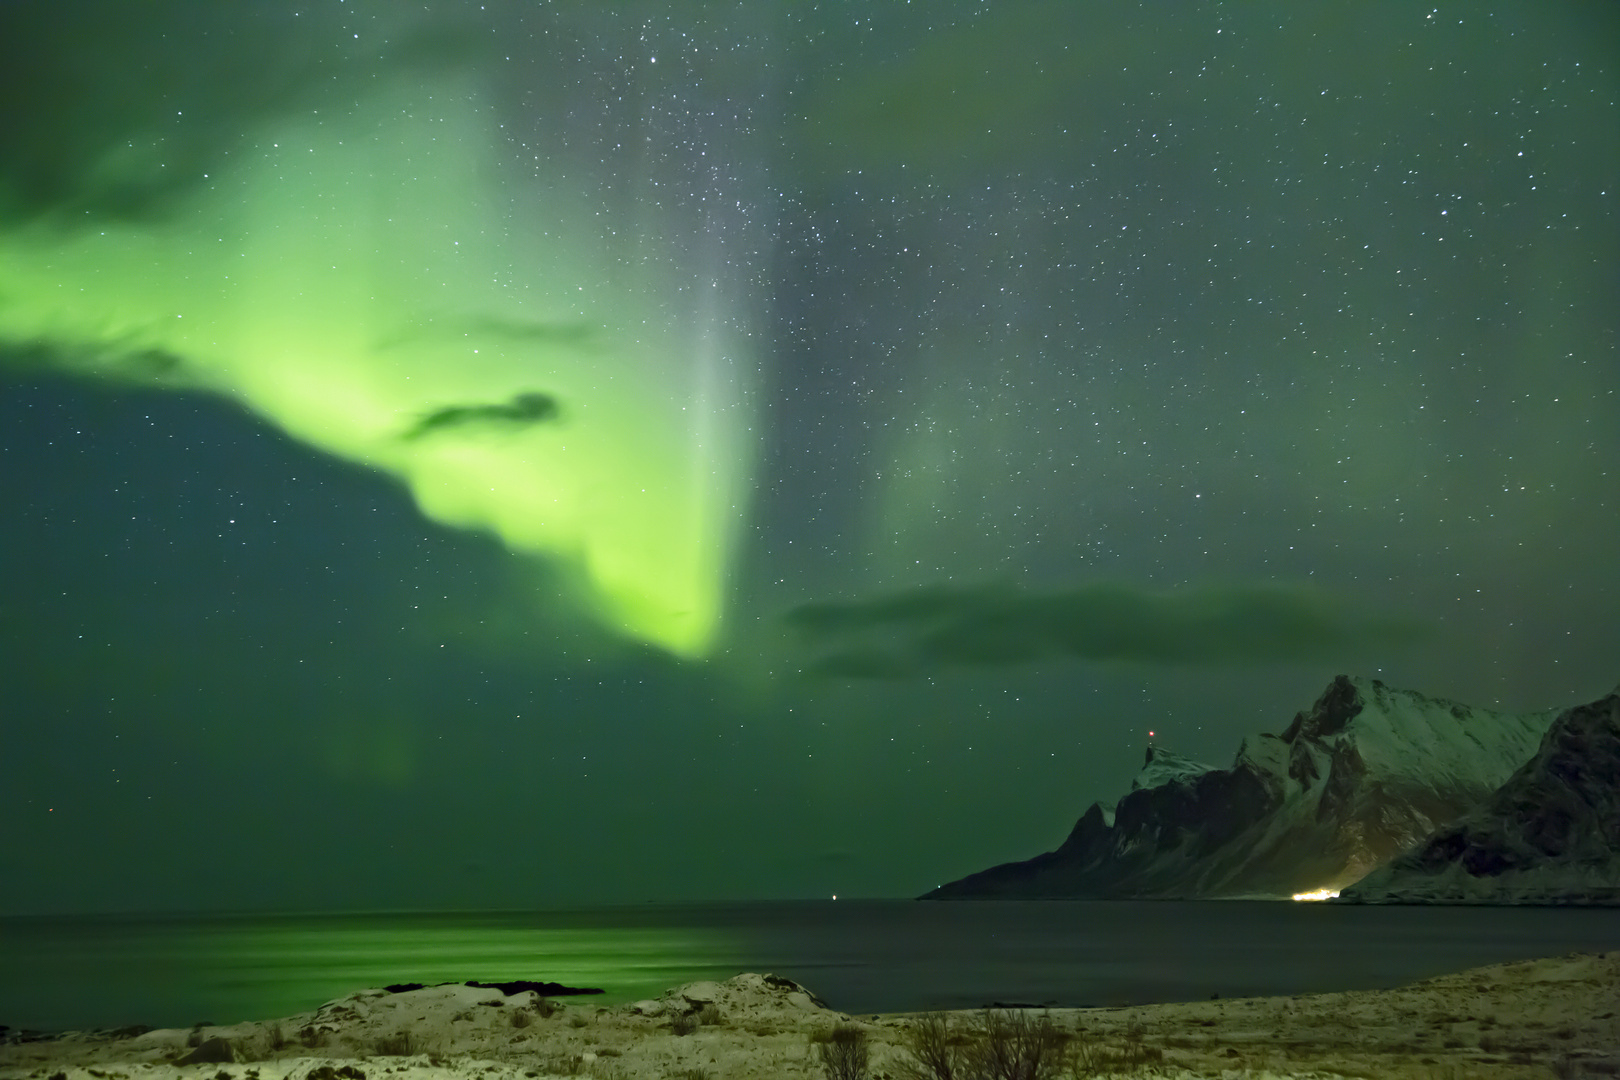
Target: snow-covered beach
{"type": "Point", "coordinates": [1552, 1017]}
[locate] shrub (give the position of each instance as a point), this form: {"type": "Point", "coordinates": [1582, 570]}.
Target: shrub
{"type": "Point", "coordinates": [563, 1064]}
{"type": "Point", "coordinates": [1015, 1046]}
{"type": "Point", "coordinates": [1087, 1056]}
{"type": "Point", "coordinates": [844, 1054]}
{"type": "Point", "coordinates": [683, 1023]}
{"type": "Point", "coordinates": [399, 1044]}
{"type": "Point", "coordinates": [1136, 1052]}
{"type": "Point", "coordinates": [521, 1018]}
{"type": "Point", "coordinates": [277, 1038]}
{"type": "Point", "coordinates": [1131, 1056]}
{"type": "Point", "coordinates": [932, 1054]}
{"type": "Point", "coordinates": [545, 1007]}
{"type": "Point", "coordinates": [709, 1015]}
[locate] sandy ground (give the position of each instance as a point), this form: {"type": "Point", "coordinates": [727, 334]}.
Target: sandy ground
{"type": "Point", "coordinates": [1543, 1018]}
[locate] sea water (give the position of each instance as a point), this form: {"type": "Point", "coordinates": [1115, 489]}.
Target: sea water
{"type": "Point", "coordinates": [860, 956]}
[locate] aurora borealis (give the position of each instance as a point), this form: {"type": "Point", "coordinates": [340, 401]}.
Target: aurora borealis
{"type": "Point", "coordinates": [502, 454]}
{"type": "Point", "coordinates": [352, 274]}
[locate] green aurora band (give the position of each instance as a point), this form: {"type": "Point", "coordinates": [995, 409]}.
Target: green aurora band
{"type": "Point", "coordinates": [349, 278]}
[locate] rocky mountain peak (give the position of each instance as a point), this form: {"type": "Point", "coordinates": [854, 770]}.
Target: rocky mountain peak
{"type": "Point", "coordinates": [1363, 774]}
{"type": "Point", "coordinates": [1167, 767]}
{"type": "Point", "coordinates": [1338, 705]}
{"type": "Point", "coordinates": [1549, 834]}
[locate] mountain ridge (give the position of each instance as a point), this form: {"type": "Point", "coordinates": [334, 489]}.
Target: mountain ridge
{"type": "Point", "coordinates": [1363, 774]}
{"type": "Point", "coordinates": [1549, 835]}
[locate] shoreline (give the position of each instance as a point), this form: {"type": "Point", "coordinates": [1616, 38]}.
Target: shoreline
{"type": "Point", "coordinates": [1551, 1017]}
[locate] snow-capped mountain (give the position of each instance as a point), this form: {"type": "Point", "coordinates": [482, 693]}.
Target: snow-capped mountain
{"type": "Point", "coordinates": [1166, 767]}
{"type": "Point", "coordinates": [1364, 774]}
{"type": "Point", "coordinates": [1550, 834]}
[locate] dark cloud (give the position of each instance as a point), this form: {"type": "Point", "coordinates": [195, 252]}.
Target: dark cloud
{"type": "Point", "coordinates": [524, 410]}
{"type": "Point", "coordinates": [949, 626]}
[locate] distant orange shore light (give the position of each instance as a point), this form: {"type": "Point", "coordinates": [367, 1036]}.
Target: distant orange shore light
{"type": "Point", "coordinates": [1317, 894]}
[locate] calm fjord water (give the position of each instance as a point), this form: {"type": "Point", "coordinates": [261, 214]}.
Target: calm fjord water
{"type": "Point", "coordinates": [861, 956]}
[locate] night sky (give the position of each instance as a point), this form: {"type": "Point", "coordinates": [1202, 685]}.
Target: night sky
{"type": "Point", "coordinates": [470, 455]}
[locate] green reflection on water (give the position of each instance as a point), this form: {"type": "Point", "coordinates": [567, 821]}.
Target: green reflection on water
{"type": "Point", "coordinates": [175, 973]}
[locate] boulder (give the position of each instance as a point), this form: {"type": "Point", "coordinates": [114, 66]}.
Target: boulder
{"type": "Point", "coordinates": [211, 1051]}
{"type": "Point", "coordinates": [700, 993]}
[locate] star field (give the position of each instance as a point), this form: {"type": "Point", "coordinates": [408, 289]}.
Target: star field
{"type": "Point", "coordinates": [424, 432]}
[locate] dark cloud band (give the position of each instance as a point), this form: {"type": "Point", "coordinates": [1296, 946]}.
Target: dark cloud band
{"type": "Point", "coordinates": [948, 626]}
